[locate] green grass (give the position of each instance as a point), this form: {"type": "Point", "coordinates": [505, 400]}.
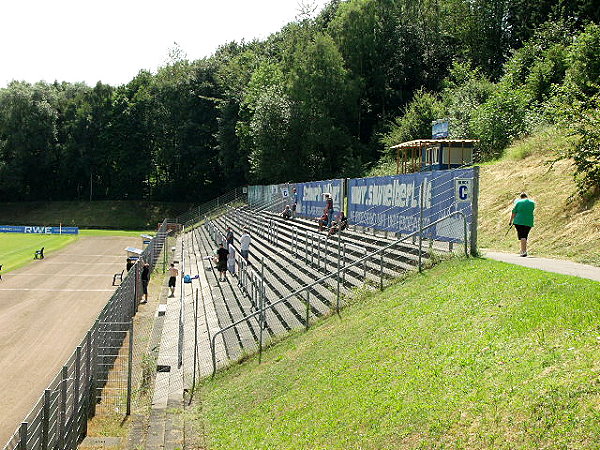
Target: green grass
{"type": "Point", "coordinates": [470, 354]}
{"type": "Point", "coordinates": [16, 250]}
{"type": "Point", "coordinates": [565, 226]}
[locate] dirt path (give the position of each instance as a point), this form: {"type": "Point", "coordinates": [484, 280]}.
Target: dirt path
{"type": "Point", "coordinates": [45, 310]}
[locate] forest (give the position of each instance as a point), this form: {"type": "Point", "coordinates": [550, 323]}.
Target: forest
{"type": "Point", "coordinates": [325, 96]}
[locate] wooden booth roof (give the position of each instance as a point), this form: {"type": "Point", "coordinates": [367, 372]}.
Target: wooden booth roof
{"type": "Point", "coordinates": [417, 143]}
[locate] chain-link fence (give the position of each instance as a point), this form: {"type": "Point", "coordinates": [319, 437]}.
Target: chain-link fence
{"type": "Point", "coordinates": [98, 371]}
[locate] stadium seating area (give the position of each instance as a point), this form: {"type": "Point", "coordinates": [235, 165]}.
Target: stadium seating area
{"type": "Point", "coordinates": [285, 257]}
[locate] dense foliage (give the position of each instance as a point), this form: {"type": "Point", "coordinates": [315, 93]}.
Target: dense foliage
{"type": "Point", "coordinates": [323, 97]}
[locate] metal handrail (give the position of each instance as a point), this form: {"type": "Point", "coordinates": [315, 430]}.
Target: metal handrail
{"type": "Point", "coordinates": [332, 275]}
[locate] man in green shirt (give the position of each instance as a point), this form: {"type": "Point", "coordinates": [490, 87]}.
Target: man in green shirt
{"type": "Point", "coordinates": [522, 219]}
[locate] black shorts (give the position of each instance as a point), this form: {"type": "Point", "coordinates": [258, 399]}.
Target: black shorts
{"type": "Point", "coordinates": [522, 231]}
{"type": "Point", "coordinates": [145, 286]}
{"type": "Point", "coordinates": [222, 266]}
{"type": "Point", "coordinates": [172, 281]}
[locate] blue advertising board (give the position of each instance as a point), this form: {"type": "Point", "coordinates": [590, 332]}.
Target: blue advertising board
{"type": "Point", "coordinates": [440, 129]}
{"type": "Point", "coordinates": [392, 203]}
{"type": "Point", "coordinates": [311, 201]}
{"type": "Point", "coordinates": [38, 230]}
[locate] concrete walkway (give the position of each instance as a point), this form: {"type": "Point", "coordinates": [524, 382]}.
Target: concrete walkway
{"type": "Point", "coordinates": [547, 264]}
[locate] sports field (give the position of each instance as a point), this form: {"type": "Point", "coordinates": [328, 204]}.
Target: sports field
{"type": "Point", "coordinates": [17, 249]}
{"type": "Point", "coordinates": [46, 307]}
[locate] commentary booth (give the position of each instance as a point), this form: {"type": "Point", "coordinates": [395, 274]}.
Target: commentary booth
{"type": "Point", "coordinates": [437, 153]}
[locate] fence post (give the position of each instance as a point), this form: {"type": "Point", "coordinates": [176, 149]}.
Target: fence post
{"type": "Point", "coordinates": [129, 368]}
{"type": "Point", "coordinates": [76, 383]}
{"type": "Point", "coordinates": [62, 415]}
{"type": "Point", "coordinates": [93, 362]}
{"type": "Point", "coordinates": [87, 378]}
{"type": "Point", "coordinates": [164, 250]}
{"type": "Point", "coordinates": [339, 251]}
{"type": "Point", "coordinates": [421, 197]}
{"type": "Point", "coordinates": [381, 271]}
{"type": "Point", "coordinates": [46, 418]}
{"type": "Point", "coordinates": [307, 307]}
{"type": "Point", "coordinates": [344, 272]}
{"type": "Point", "coordinates": [23, 436]}
{"type": "Point", "coordinates": [262, 309]}
{"type": "Point", "coordinates": [474, 210]}
{"type": "Point", "coordinates": [365, 265]}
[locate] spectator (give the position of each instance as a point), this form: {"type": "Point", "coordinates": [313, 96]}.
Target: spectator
{"type": "Point", "coordinates": [329, 208]}
{"type": "Point", "coordinates": [522, 219]}
{"type": "Point", "coordinates": [145, 281]}
{"type": "Point", "coordinates": [129, 264]}
{"type": "Point", "coordinates": [287, 212]}
{"type": "Point", "coordinates": [245, 244]}
{"type": "Point", "coordinates": [322, 221]}
{"type": "Point", "coordinates": [221, 261]}
{"type": "Point", "coordinates": [231, 260]}
{"type": "Point", "coordinates": [173, 272]}
{"type": "Point", "coordinates": [339, 225]}
{"type": "Point", "coordinates": [229, 236]}
{"type": "Point", "coordinates": [295, 202]}
{"type": "Point", "coordinates": [342, 221]}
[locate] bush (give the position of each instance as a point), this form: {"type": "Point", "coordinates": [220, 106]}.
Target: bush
{"type": "Point", "coordinates": [416, 121]}
{"type": "Point", "coordinates": [582, 120]}
{"type": "Point", "coordinates": [500, 120]}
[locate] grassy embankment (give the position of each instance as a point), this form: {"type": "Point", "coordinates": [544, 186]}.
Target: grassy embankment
{"type": "Point", "coordinates": [566, 227]}
{"type": "Point", "coordinates": [126, 215]}
{"type": "Point", "coordinates": [469, 354]}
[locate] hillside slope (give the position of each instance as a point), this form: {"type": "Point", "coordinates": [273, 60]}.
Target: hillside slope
{"type": "Point", "coordinates": [114, 214]}
{"type": "Point", "coordinates": [436, 360]}
{"type": "Point", "coordinates": [564, 227]}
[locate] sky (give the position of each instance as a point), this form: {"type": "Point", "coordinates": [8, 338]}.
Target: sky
{"type": "Point", "coordinates": [112, 40]}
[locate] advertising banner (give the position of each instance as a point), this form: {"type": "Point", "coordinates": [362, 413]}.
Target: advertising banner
{"type": "Point", "coordinates": [273, 196]}
{"type": "Point", "coordinates": [392, 203]}
{"type": "Point", "coordinates": [311, 200]}
{"type": "Point", "coordinates": [38, 230]}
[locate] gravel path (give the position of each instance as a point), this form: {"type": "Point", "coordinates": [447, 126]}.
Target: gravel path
{"type": "Point", "coordinates": [550, 265]}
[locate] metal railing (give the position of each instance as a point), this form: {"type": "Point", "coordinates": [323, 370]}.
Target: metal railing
{"type": "Point", "coordinates": [59, 418]}
{"type": "Point", "coordinates": [196, 213]}
{"type": "Point", "coordinates": [336, 276]}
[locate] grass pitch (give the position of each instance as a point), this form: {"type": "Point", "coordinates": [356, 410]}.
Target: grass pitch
{"type": "Point", "coordinates": [17, 250]}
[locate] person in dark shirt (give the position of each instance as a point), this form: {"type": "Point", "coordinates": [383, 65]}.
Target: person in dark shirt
{"type": "Point", "coordinates": [295, 199]}
{"type": "Point", "coordinates": [329, 208]}
{"type": "Point", "coordinates": [339, 225]}
{"type": "Point", "coordinates": [145, 281]}
{"type": "Point", "coordinates": [229, 236]}
{"type": "Point", "coordinates": [287, 212]}
{"type": "Point", "coordinates": [221, 260]}
{"type": "Point", "coordinates": [129, 264]}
